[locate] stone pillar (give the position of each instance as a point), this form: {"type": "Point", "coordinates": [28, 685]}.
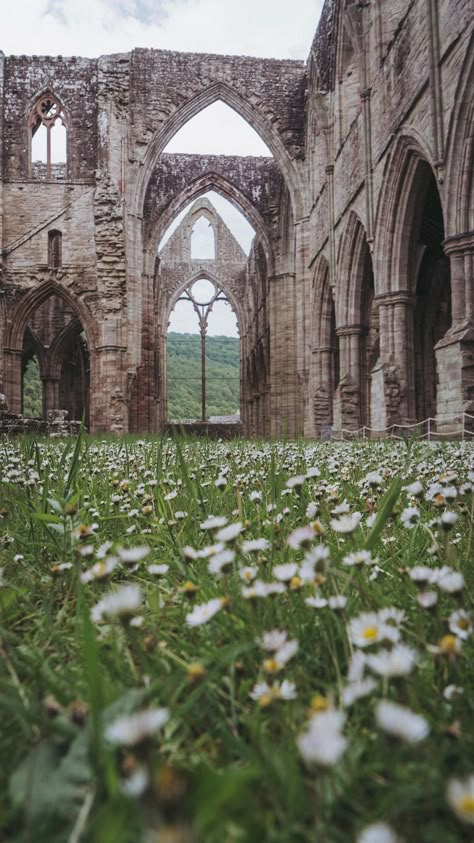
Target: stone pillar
{"type": "Point", "coordinates": [13, 378]}
{"type": "Point", "coordinates": [283, 371]}
{"type": "Point", "coordinates": [455, 351]}
{"type": "Point", "coordinates": [108, 389]}
{"type": "Point", "coordinates": [347, 398]}
{"type": "Point", "coordinates": [50, 394]}
{"type": "Point", "coordinates": [397, 357]}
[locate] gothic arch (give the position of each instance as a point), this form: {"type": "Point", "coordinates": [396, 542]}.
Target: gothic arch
{"type": "Point", "coordinates": [32, 300]}
{"type": "Point", "coordinates": [189, 109]}
{"type": "Point", "coordinates": [60, 344]}
{"type": "Point", "coordinates": [229, 191]}
{"type": "Point", "coordinates": [460, 170]}
{"type": "Point", "coordinates": [396, 211]}
{"type": "Point", "coordinates": [350, 271]}
{"type": "Point", "coordinates": [197, 276]}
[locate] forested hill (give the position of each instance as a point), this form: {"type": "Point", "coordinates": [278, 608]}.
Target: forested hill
{"type": "Point", "coordinates": [184, 376]}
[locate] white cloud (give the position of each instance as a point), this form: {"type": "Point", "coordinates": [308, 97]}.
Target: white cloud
{"type": "Point", "coordinates": [74, 27]}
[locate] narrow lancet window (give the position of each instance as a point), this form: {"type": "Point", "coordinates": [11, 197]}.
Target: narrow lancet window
{"type": "Point", "coordinates": [48, 136]}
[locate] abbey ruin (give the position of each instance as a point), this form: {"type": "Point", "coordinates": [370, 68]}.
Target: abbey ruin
{"type": "Point", "coordinates": [356, 304]}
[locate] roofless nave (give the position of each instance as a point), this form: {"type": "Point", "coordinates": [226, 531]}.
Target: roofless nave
{"type": "Point", "coordinates": [355, 305]}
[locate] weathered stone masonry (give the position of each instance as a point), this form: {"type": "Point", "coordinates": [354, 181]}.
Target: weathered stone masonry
{"type": "Point", "coordinates": [356, 304]}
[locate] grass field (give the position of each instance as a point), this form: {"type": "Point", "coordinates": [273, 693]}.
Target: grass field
{"type": "Point", "coordinates": [236, 642]}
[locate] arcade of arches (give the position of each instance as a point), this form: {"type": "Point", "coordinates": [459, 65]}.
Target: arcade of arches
{"type": "Point", "coordinates": [355, 305]}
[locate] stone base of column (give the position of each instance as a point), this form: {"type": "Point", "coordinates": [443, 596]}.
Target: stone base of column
{"type": "Point", "coordinates": [347, 405]}
{"type": "Point", "coordinates": [386, 396]}
{"type": "Point", "coordinates": [455, 370]}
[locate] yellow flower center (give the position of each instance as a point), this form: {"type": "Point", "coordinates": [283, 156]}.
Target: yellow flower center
{"type": "Point", "coordinates": [370, 632]}
{"type": "Point", "coordinates": [466, 805]}
{"type": "Point", "coordinates": [448, 644]}
{"type": "Point", "coordinates": [265, 700]}
{"type": "Point", "coordinates": [463, 623]}
{"type": "Point", "coordinates": [295, 583]}
{"type": "Point", "coordinates": [271, 665]}
{"type": "Point", "coordinates": [319, 703]}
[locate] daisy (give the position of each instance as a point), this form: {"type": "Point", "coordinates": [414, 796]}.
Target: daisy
{"type": "Point", "coordinates": [229, 533]}
{"type": "Point", "coordinates": [357, 690]}
{"type": "Point", "coordinates": [205, 611]}
{"type": "Point", "coordinates": [220, 561]}
{"type": "Point", "coordinates": [369, 628]}
{"type": "Point", "coordinates": [378, 833]}
{"type": "Point", "coordinates": [396, 662]}
{"type": "Point", "coordinates": [158, 570]}
{"type": "Point", "coordinates": [123, 602]}
{"type": "Point", "coordinates": [346, 523]}
{"type": "Point", "coordinates": [131, 729]}
{"type": "Point", "coordinates": [285, 572]}
{"type": "Point", "coordinates": [401, 722]}
{"type": "Point", "coordinates": [460, 796]}
{"type": "Point", "coordinates": [214, 522]}
{"type": "Point", "coordinates": [255, 545]}
{"type": "Point", "coordinates": [323, 741]}
{"type": "Point", "coordinates": [460, 624]}
{"type": "Point", "coordinates": [410, 517]}
{"type": "Point", "coordinates": [274, 639]}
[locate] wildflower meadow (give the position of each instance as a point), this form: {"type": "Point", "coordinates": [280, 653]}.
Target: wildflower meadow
{"type": "Point", "coordinates": [236, 641]}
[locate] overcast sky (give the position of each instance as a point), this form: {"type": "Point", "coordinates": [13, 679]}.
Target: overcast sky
{"type": "Point", "coordinates": [267, 28]}
{"type": "Point", "coordinates": [278, 28]}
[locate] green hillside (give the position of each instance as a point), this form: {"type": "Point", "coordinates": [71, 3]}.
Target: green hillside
{"type": "Point", "coordinates": [184, 376]}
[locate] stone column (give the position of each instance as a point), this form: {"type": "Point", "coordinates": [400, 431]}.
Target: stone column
{"type": "Point", "coordinates": [50, 394]}
{"type": "Point", "coordinates": [283, 366]}
{"type": "Point", "coordinates": [455, 351]}
{"type": "Point", "coordinates": [395, 376]}
{"type": "Point", "coordinates": [108, 389]}
{"type": "Point", "coordinates": [13, 378]}
{"type": "Point", "coordinates": [347, 398]}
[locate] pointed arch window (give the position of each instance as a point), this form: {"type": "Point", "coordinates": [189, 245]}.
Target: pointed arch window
{"type": "Point", "coordinates": [54, 249]}
{"type": "Point", "coordinates": [47, 128]}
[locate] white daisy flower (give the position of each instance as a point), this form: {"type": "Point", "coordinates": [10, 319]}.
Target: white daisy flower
{"type": "Point", "coordinates": [410, 516]}
{"type": "Point", "coordinates": [358, 557]}
{"type": "Point", "coordinates": [274, 639]}
{"type": "Point", "coordinates": [248, 573]}
{"type": "Point", "coordinates": [158, 570]}
{"type": "Point", "coordinates": [316, 602]}
{"type": "Point", "coordinates": [137, 782]}
{"type": "Point", "coordinates": [401, 722]}
{"type": "Point", "coordinates": [460, 796]}
{"type": "Point", "coordinates": [220, 561]}
{"type": "Point", "coordinates": [229, 533]}
{"type": "Point", "coordinates": [123, 602]}
{"type": "Point", "coordinates": [415, 490]}
{"type": "Point", "coordinates": [214, 522]}
{"type": "Point", "coordinates": [346, 523]}
{"type": "Point", "coordinates": [461, 624]}
{"type": "Point", "coordinates": [399, 661]}
{"type": "Point", "coordinates": [100, 570]}
{"type": "Point", "coordinates": [357, 690]}
{"type": "Point", "coordinates": [295, 482]}
{"type": "Point", "coordinates": [131, 729]}
{"type": "Point", "coordinates": [205, 611]}
{"type": "Point", "coordinates": [452, 691]}
{"type": "Point", "coordinates": [369, 628]}
{"type": "Point", "coordinates": [448, 520]}
{"type": "Point", "coordinates": [255, 545]}
{"type": "Point", "coordinates": [130, 555]}
{"type": "Point", "coordinates": [451, 582]}
{"type": "Point", "coordinates": [323, 742]}
{"type": "Point", "coordinates": [311, 510]}
{"type": "Point", "coordinates": [301, 537]}
{"type": "Point", "coordinates": [378, 833]}
{"type": "Point", "coordinates": [285, 572]}
{"type": "Point", "coordinates": [337, 602]}
{"type": "Point", "coordinates": [427, 599]}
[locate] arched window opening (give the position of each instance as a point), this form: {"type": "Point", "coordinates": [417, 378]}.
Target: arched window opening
{"type": "Point", "coordinates": [48, 139]}
{"type": "Point", "coordinates": [203, 353]}
{"type": "Point", "coordinates": [32, 387]}
{"type": "Point", "coordinates": [54, 249]}
{"type": "Point", "coordinates": [203, 240]}
{"type": "Point", "coordinates": [432, 314]}
{"type": "Point", "coordinates": [218, 130]}
{"type": "Point", "coordinates": [54, 336]}
{"type": "Point", "coordinates": [234, 219]}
